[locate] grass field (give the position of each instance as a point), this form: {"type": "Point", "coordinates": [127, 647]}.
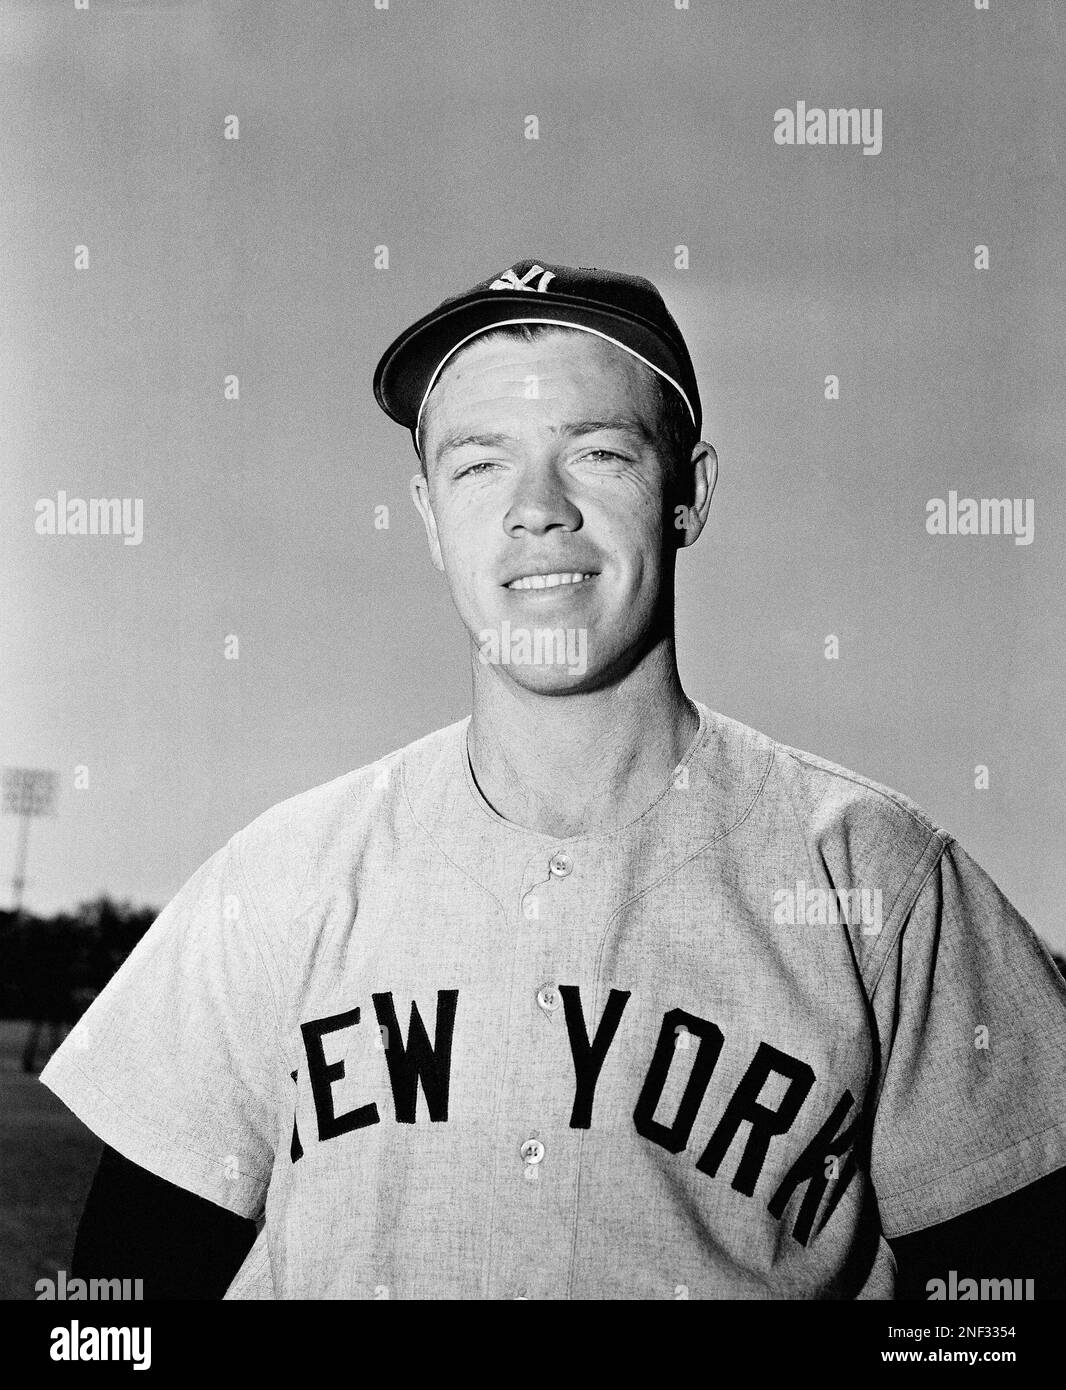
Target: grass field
{"type": "Point", "coordinates": [47, 1159]}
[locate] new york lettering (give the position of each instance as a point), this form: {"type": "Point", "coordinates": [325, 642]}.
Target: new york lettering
{"type": "Point", "coordinates": [829, 1155]}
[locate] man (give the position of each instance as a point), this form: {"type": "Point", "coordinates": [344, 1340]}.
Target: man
{"type": "Point", "coordinates": [598, 993]}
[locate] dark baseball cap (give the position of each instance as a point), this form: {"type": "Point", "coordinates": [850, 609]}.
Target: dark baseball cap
{"type": "Point", "coordinates": [624, 309]}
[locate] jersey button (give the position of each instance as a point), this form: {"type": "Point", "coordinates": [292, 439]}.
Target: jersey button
{"type": "Point", "coordinates": [560, 864]}
{"type": "Point", "coordinates": [548, 998]}
{"type": "Point", "coordinates": [532, 1151]}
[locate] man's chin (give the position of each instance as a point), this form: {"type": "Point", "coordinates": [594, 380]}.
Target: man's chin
{"type": "Point", "coordinates": [560, 680]}
{"type": "Point", "coordinates": [553, 683]}
{"type": "Point", "coordinates": [541, 657]}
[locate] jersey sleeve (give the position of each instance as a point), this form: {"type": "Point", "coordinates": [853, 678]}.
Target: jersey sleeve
{"type": "Point", "coordinates": [174, 1064]}
{"type": "Point", "coordinates": [973, 1036]}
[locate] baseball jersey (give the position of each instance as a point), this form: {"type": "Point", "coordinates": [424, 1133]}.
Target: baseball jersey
{"type": "Point", "coordinates": [720, 1052]}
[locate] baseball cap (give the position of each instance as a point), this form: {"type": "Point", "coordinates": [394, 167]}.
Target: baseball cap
{"type": "Point", "coordinates": [627, 310]}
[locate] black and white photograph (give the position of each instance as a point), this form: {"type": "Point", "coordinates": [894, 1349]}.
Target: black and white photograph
{"type": "Point", "coordinates": [532, 664]}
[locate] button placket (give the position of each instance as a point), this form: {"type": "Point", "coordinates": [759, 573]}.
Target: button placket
{"type": "Point", "coordinates": [536, 1191]}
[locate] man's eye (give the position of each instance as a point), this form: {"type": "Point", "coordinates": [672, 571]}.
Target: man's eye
{"type": "Point", "coordinates": [602, 453]}
{"type": "Point", "coordinates": [473, 468]}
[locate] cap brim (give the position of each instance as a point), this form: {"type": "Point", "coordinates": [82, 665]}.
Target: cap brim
{"type": "Point", "coordinates": [410, 364]}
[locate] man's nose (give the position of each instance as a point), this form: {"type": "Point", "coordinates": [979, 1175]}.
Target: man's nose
{"type": "Point", "coordinates": [541, 503]}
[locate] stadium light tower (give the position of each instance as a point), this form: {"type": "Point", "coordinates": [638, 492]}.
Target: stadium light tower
{"type": "Point", "coordinates": [28, 791]}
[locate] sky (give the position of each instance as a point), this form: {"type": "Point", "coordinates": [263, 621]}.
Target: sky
{"type": "Point", "coordinates": [406, 128]}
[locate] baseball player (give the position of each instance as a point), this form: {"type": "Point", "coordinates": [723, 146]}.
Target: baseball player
{"type": "Point", "coordinates": [596, 993]}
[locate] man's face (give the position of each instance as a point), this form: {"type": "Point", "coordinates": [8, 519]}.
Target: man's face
{"type": "Point", "coordinates": [542, 461]}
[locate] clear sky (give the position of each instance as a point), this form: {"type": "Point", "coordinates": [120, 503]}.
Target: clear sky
{"type": "Point", "coordinates": [406, 127]}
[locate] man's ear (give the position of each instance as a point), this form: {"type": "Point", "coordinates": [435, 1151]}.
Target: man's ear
{"type": "Point", "coordinates": [689, 519]}
{"type": "Point", "coordinates": [420, 497]}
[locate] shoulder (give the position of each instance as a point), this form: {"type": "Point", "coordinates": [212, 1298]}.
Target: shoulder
{"type": "Point", "coordinates": [278, 850]}
{"type": "Point", "coordinates": [827, 791]}
{"type": "Point", "coordinates": [838, 811]}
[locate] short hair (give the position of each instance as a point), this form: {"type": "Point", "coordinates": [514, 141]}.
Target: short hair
{"type": "Point", "coordinates": [677, 432]}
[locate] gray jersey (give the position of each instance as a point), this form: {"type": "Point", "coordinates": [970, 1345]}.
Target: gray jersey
{"type": "Point", "coordinates": [721, 1052]}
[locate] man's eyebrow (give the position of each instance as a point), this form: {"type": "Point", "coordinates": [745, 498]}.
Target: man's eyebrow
{"type": "Point", "coordinates": [458, 439]}
{"type": "Point", "coordinates": [624, 424]}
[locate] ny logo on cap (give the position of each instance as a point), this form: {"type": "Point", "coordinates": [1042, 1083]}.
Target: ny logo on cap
{"type": "Point", "coordinates": [509, 279]}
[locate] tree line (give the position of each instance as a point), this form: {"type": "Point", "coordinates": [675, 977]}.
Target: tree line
{"type": "Point", "coordinates": [52, 968]}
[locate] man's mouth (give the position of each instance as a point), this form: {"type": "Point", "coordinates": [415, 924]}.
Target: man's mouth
{"type": "Point", "coordinates": [549, 581]}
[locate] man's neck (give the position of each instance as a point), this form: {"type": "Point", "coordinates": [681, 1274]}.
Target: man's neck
{"type": "Point", "coordinates": [580, 764]}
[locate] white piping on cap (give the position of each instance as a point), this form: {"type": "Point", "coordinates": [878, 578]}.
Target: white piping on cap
{"type": "Point", "coordinates": [557, 323]}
